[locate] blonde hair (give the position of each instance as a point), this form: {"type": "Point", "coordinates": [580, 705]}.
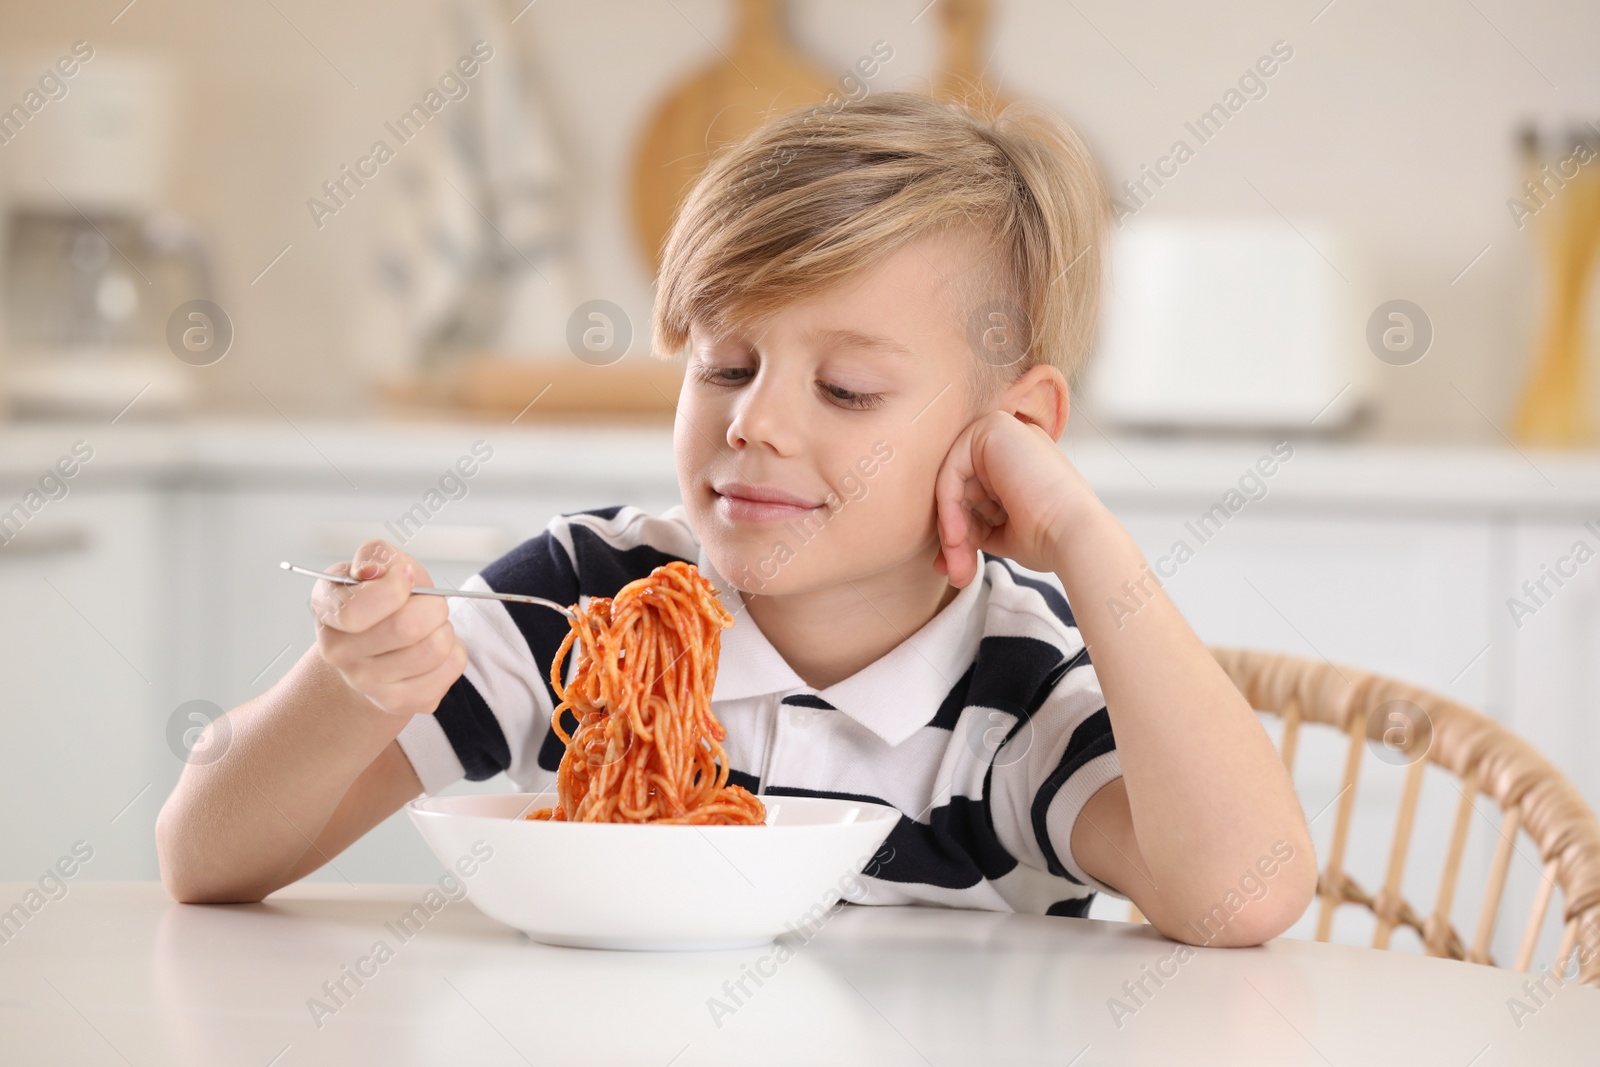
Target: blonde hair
{"type": "Point", "coordinates": [815, 195]}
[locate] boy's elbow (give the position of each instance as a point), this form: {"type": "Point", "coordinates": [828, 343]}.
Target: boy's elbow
{"type": "Point", "coordinates": [1256, 925]}
{"type": "Point", "coordinates": [1289, 896]}
{"type": "Point", "coordinates": [185, 892]}
{"type": "Point", "coordinates": [1287, 899]}
{"type": "Point", "coordinates": [1243, 922]}
{"type": "Point", "coordinates": [178, 876]}
{"type": "Point", "coordinates": [181, 875]}
{"type": "Point", "coordinates": [186, 887]}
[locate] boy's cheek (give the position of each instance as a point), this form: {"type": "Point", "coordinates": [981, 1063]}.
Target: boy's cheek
{"type": "Point", "coordinates": [896, 510]}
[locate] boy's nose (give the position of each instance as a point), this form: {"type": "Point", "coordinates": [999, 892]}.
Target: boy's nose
{"type": "Point", "coordinates": [766, 415]}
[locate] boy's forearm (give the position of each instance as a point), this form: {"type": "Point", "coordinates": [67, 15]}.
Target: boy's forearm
{"type": "Point", "coordinates": [233, 829]}
{"type": "Point", "coordinates": [1196, 763]}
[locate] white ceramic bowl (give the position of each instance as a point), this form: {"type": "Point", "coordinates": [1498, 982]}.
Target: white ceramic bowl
{"type": "Point", "coordinates": [625, 886]}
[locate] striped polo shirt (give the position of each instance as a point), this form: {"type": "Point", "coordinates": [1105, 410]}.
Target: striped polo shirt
{"type": "Point", "coordinates": [986, 728]}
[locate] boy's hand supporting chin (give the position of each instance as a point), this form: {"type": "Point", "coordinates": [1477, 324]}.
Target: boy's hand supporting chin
{"type": "Point", "coordinates": [1006, 488]}
{"type": "Point", "coordinates": [1203, 794]}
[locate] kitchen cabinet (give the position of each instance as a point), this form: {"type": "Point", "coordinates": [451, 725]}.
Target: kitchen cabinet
{"type": "Point", "coordinates": [87, 681]}
{"type": "Point", "coordinates": [1550, 629]}
{"type": "Point", "coordinates": [1389, 594]}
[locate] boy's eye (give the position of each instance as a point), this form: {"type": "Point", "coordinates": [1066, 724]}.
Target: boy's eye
{"type": "Point", "coordinates": [721, 375]}
{"type": "Point", "coordinates": [833, 393]}
{"type": "Point", "coordinates": [850, 399]}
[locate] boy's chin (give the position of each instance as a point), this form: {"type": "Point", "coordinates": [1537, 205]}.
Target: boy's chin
{"type": "Point", "coordinates": [758, 574]}
{"type": "Point", "coordinates": [771, 566]}
{"type": "Point", "coordinates": [748, 578]}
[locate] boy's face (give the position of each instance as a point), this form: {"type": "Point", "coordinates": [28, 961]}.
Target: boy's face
{"type": "Point", "coordinates": [853, 434]}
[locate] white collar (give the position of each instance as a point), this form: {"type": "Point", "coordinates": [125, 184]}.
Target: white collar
{"type": "Point", "coordinates": [893, 696]}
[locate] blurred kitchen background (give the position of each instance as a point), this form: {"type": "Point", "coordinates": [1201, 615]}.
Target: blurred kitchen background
{"type": "Point", "coordinates": [234, 330]}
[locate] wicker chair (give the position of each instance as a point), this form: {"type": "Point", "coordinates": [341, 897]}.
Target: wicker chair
{"type": "Point", "coordinates": [1483, 757]}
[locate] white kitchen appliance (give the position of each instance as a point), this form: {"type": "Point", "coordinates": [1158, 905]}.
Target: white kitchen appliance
{"type": "Point", "coordinates": [92, 268]}
{"type": "Point", "coordinates": [1230, 324]}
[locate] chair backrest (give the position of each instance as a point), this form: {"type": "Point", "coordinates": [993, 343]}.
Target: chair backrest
{"type": "Point", "coordinates": [1483, 757]}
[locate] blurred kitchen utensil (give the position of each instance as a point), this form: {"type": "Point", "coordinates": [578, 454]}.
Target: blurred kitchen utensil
{"type": "Point", "coordinates": [93, 266]}
{"type": "Point", "coordinates": [476, 249]}
{"type": "Point", "coordinates": [963, 71]}
{"type": "Point", "coordinates": [637, 388]}
{"type": "Point", "coordinates": [1554, 410]}
{"type": "Point", "coordinates": [1229, 324]}
{"type": "Point", "coordinates": [759, 74]}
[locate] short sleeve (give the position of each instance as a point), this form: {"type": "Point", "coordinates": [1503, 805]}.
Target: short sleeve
{"type": "Point", "coordinates": [496, 716]}
{"type": "Point", "coordinates": [1049, 768]}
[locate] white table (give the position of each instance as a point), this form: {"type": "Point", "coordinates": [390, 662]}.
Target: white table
{"type": "Point", "coordinates": [116, 973]}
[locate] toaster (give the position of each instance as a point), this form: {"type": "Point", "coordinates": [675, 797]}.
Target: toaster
{"type": "Point", "coordinates": [1231, 324]}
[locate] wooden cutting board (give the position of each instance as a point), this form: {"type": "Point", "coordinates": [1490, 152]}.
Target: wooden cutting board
{"type": "Point", "coordinates": [502, 386]}
{"type": "Point", "coordinates": [761, 74]}
{"type": "Point", "coordinates": [758, 75]}
{"type": "Point", "coordinates": [964, 66]}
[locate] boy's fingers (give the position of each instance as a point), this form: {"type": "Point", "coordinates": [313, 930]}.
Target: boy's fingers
{"type": "Point", "coordinates": [963, 564]}
{"type": "Point", "coordinates": [372, 559]}
{"type": "Point", "coordinates": [949, 489]}
{"type": "Point", "coordinates": [411, 662]}
{"type": "Point", "coordinates": [328, 597]}
{"type": "Point", "coordinates": [989, 509]}
{"type": "Point", "coordinates": [410, 625]}
{"type": "Point", "coordinates": [354, 608]}
{"type": "Point", "coordinates": [407, 696]}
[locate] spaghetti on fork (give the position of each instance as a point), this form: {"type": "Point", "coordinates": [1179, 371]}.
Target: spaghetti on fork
{"type": "Point", "coordinates": [647, 748]}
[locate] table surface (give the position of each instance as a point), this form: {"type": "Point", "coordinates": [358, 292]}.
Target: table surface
{"type": "Point", "coordinates": [117, 973]}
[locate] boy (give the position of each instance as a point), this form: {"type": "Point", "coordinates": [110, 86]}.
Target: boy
{"type": "Point", "coordinates": [882, 306]}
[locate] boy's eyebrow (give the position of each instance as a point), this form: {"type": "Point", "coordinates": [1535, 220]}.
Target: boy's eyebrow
{"type": "Point", "coordinates": [840, 338]}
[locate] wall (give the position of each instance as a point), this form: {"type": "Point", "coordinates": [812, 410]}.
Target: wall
{"type": "Point", "coordinates": [1394, 121]}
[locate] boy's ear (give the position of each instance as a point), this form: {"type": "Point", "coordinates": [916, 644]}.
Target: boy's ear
{"type": "Point", "coordinates": [1042, 397]}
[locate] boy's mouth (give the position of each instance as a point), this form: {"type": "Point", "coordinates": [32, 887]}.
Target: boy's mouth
{"type": "Point", "coordinates": [741, 502]}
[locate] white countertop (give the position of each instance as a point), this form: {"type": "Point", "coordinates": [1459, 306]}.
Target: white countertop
{"type": "Point", "coordinates": [117, 973]}
{"type": "Point", "coordinates": [1323, 473]}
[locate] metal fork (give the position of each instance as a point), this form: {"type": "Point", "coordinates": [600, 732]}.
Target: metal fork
{"type": "Point", "coordinates": [516, 598]}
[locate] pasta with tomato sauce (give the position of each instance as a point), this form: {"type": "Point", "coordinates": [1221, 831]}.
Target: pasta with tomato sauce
{"type": "Point", "coordinates": [647, 748]}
